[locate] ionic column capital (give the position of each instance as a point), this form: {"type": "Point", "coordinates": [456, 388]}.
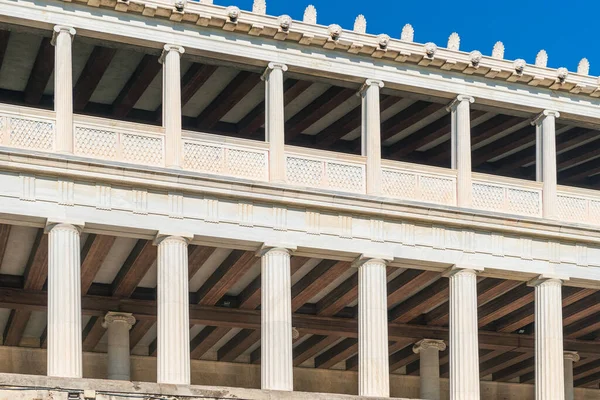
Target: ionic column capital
{"type": "Point", "coordinates": [118, 317]}
{"type": "Point", "coordinates": [546, 113]}
{"type": "Point", "coordinates": [167, 48]}
{"type": "Point", "coordinates": [425, 344]}
{"type": "Point", "coordinates": [460, 98]}
{"type": "Point", "coordinates": [572, 356]}
{"type": "Point", "coordinates": [58, 29]}
{"type": "Point", "coordinates": [181, 236]}
{"type": "Point", "coordinates": [369, 83]}
{"type": "Point", "coordinates": [273, 66]}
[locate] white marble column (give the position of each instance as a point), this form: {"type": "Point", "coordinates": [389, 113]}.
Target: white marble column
{"type": "Point", "coordinates": [275, 120]}
{"type": "Point", "coordinates": [429, 367]}
{"type": "Point", "coordinates": [570, 358]}
{"type": "Point", "coordinates": [546, 160]}
{"type": "Point", "coordinates": [549, 357]}
{"type": "Point", "coordinates": [64, 301]}
{"type": "Point", "coordinates": [373, 357]}
{"type": "Point", "coordinates": [171, 109]}
{"type": "Point", "coordinates": [461, 148]}
{"type": "Point", "coordinates": [276, 362]}
{"type": "Point", "coordinates": [464, 343]}
{"type": "Point", "coordinates": [371, 134]}
{"type": "Point", "coordinates": [118, 325]}
{"type": "Point", "coordinates": [173, 310]}
{"type": "Point", "coordinates": [63, 87]}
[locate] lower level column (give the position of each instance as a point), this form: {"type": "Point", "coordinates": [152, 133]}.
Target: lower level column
{"type": "Point", "coordinates": [373, 353]}
{"type": "Point", "coordinates": [549, 357]}
{"type": "Point", "coordinates": [64, 301]}
{"type": "Point", "coordinates": [276, 363]}
{"type": "Point", "coordinates": [118, 326]}
{"type": "Point", "coordinates": [464, 344]}
{"type": "Point", "coordinates": [570, 358]}
{"type": "Point", "coordinates": [173, 311]}
{"type": "Point", "coordinates": [429, 367]}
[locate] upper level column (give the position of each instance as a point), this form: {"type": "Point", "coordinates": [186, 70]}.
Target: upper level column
{"type": "Point", "coordinates": [371, 133]}
{"type": "Point", "coordinates": [171, 109]}
{"type": "Point", "coordinates": [64, 300]}
{"type": "Point", "coordinates": [63, 87]}
{"type": "Point", "coordinates": [429, 367]}
{"type": "Point", "coordinates": [118, 325]}
{"type": "Point", "coordinates": [276, 319]}
{"type": "Point", "coordinates": [275, 120]}
{"type": "Point", "coordinates": [173, 310]}
{"type": "Point", "coordinates": [373, 352]}
{"type": "Point", "coordinates": [545, 130]}
{"type": "Point", "coordinates": [461, 148]}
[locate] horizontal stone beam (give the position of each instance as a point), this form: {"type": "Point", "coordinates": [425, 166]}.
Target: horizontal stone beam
{"type": "Point", "coordinates": [145, 310]}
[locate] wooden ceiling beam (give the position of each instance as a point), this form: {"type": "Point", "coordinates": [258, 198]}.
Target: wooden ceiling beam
{"type": "Point", "coordinates": [583, 327]}
{"type": "Point", "coordinates": [193, 79]}
{"type": "Point", "coordinates": [206, 340]}
{"type": "Point", "coordinates": [251, 123]}
{"type": "Point", "coordinates": [231, 95]}
{"type": "Point", "coordinates": [426, 135]}
{"type": "Point", "coordinates": [581, 309]}
{"type": "Point", "coordinates": [588, 381]}
{"type": "Point", "coordinates": [336, 354]}
{"type": "Point", "coordinates": [402, 358]}
{"type": "Point", "coordinates": [505, 304]}
{"type": "Point", "coordinates": [505, 144]}
{"type": "Point", "coordinates": [408, 284]}
{"type": "Point", "coordinates": [90, 77]}
{"type": "Point", "coordinates": [515, 370]}
{"type": "Point", "coordinates": [197, 256]}
{"type": "Point", "coordinates": [502, 362]}
{"type": "Point", "coordinates": [311, 347]}
{"type": "Point", "coordinates": [424, 301]}
{"type": "Point", "coordinates": [225, 276]}
{"type": "Point", "coordinates": [40, 73]}
{"type": "Point", "coordinates": [487, 290]}
{"type": "Point", "coordinates": [134, 269]}
{"type": "Point", "coordinates": [407, 118]}
{"type": "Point", "coordinates": [583, 369]}
{"type": "Point", "coordinates": [352, 362]}
{"type": "Point", "coordinates": [316, 110]}
{"type": "Point", "coordinates": [4, 37]}
{"type": "Point", "coordinates": [316, 280]}
{"type": "Point", "coordinates": [138, 331]}
{"type": "Point", "coordinates": [580, 171]}
{"type": "Point", "coordinates": [237, 345]}
{"type": "Point", "coordinates": [93, 254]}
{"type": "Point", "coordinates": [92, 333]}
{"type": "Point", "coordinates": [135, 87]}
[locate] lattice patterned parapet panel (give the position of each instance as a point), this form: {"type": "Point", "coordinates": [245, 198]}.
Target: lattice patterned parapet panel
{"type": "Point", "coordinates": [323, 174]}
{"type": "Point", "coordinates": [578, 209]}
{"type": "Point", "coordinates": [225, 160]}
{"type": "Point", "coordinates": [112, 144]}
{"type": "Point", "coordinates": [28, 133]}
{"type": "Point", "coordinates": [507, 199]}
{"type": "Point", "coordinates": [410, 185]}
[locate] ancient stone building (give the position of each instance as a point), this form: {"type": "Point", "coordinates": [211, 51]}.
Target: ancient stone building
{"type": "Point", "coordinates": [219, 203]}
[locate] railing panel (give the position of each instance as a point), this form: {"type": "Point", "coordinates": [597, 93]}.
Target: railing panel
{"type": "Point", "coordinates": [125, 142]}
{"type": "Point", "coordinates": [505, 195]}
{"type": "Point", "coordinates": [315, 169]}
{"type": "Point", "coordinates": [225, 158]}
{"type": "Point", "coordinates": [27, 128]}
{"type": "Point", "coordinates": [578, 205]}
{"type": "Point", "coordinates": [419, 184]}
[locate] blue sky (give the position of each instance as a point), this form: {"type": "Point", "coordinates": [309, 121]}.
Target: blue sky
{"type": "Point", "coordinates": [567, 30]}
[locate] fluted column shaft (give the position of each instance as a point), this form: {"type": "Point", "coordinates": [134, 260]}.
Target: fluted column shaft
{"type": "Point", "coordinates": [429, 367]}
{"type": "Point", "coordinates": [545, 125]}
{"type": "Point", "coordinates": [373, 357]}
{"type": "Point", "coordinates": [549, 364]}
{"type": "Point", "coordinates": [461, 148]}
{"type": "Point", "coordinates": [118, 326]}
{"type": "Point", "coordinates": [276, 320]}
{"type": "Point", "coordinates": [275, 120]}
{"type": "Point", "coordinates": [64, 301]}
{"type": "Point", "coordinates": [371, 134]}
{"type": "Point", "coordinates": [464, 344]}
{"type": "Point", "coordinates": [570, 358]}
{"type": "Point", "coordinates": [173, 315]}
{"type": "Point", "coordinates": [170, 59]}
{"type": "Point", "coordinates": [63, 87]}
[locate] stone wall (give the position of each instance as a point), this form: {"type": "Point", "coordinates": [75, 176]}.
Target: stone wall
{"type": "Point", "coordinates": [33, 361]}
